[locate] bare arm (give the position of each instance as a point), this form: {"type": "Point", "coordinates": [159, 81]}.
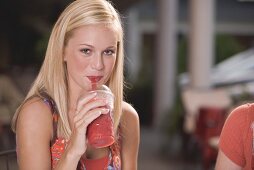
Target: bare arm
{"type": "Point", "coordinates": [34, 133]}
{"type": "Point", "coordinates": [34, 130]}
{"type": "Point", "coordinates": [130, 137]}
{"type": "Point", "coordinates": [224, 163]}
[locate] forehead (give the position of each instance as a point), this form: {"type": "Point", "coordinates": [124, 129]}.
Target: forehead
{"type": "Point", "coordinates": [98, 33]}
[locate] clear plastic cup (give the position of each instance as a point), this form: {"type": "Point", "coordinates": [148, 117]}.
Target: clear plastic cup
{"type": "Point", "coordinates": [100, 132]}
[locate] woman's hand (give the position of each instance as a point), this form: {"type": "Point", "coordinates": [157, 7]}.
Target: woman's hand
{"type": "Point", "coordinates": [87, 110]}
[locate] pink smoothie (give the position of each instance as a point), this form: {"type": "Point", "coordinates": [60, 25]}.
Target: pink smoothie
{"type": "Point", "coordinates": [100, 132]}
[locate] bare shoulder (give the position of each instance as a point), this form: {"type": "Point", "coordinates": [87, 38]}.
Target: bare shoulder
{"type": "Point", "coordinates": [34, 109]}
{"type": "Point", "coordinates": [130, 133]}
{"type": "Point", "coordinates": [33, 134]}
{"type": "Point", "coordinates": [34, 118]}
{"type": "Point", "coordinates": [129, 121]}
{"type": "Point", "coordinates": [130, 115]}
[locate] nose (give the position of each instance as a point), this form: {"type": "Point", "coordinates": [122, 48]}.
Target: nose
{"type": "Point", "coordinates": [97, 62]}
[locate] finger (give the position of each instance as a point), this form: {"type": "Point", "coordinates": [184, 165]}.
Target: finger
{"type": "Point", "coordinates": [84, 122]}
{"type": "Point", "coordinates": [84, 100]}
{"type": "Point", "coordinates": [89, 119]}
{"type": "Point", "coordinates": [90, 106]}
{"type": "Point", "coordinates": [91, 115]}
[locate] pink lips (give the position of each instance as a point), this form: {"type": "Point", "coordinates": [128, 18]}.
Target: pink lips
{"type": "Point", "coordinates": [94, 79]}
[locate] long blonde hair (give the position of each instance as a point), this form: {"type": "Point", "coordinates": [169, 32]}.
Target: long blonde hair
{"type": "Point", "coordinates": [52, 77]}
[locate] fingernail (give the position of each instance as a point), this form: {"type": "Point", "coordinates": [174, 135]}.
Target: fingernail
{"type": "Point", "coordinates": [105, 110]}
{"type": "Point", "coordinates": [94, 93]}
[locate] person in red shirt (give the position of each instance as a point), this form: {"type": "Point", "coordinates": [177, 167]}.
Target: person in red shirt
{"type": "Point", "coordinates": [236, 140]}
{"type": "Point", "coordinates": [51, 123]}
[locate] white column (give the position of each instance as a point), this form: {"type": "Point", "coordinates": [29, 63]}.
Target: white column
{"type": "Point", "coordinates": [201, 42]}
{"type": "Point", "coordinates": [133, 44]}
{"type": "Point", "coordinates": [165, 59]}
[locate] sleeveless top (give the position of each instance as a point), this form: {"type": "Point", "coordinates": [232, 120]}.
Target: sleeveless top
{"type": "Point", "coordinates": [58, 146]}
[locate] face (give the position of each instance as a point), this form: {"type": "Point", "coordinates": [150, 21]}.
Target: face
{"type": "Point", "coordinates": [90, 55]}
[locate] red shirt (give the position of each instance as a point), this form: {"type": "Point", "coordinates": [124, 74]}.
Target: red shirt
{"type": "Point", "coordinates": [237, 135]}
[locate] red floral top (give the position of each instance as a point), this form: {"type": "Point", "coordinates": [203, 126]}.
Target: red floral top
{"type": "Point", "coordinates": [58, 146]}
{"type": "Point", "coordinates": [107, 162]}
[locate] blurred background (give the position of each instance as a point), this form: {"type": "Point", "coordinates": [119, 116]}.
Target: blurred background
{"type": "Point", "coordinates": [188, 63]}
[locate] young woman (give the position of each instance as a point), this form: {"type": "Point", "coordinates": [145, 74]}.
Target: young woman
{"type": "Point", "coordinates": [51, 123]}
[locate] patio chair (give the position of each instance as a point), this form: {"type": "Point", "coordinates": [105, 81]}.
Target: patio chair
{"type": "Point", "coordinates": [209, 124]}
{"type": "Point", "coordinates": [8, 160]}
{"type": "Point", "coordinates": [206, 111]}
{"type": "Point", "coordinates": [194, 99]}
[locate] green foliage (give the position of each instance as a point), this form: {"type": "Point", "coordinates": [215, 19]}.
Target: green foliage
{"type": "Point", "coordinates": [182, 54]}
{"type": "Point", "coordinates": [173, 119]}
{"type": "Point", "coordinates": [226, 46]}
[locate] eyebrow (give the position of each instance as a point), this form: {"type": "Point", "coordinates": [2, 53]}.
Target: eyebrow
{"type": "Point", "coordinates": [112, 46]}
{"type": "Point", "coordinates": [86, 45]}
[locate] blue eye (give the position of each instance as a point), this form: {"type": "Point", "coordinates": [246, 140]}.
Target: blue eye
{"type": "Point", "coordinates": [85, 51]}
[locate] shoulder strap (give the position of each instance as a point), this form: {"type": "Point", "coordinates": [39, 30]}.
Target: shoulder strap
{"type": "Point", "coordinates": [115, 151]}
{"type": "Point", "coordinates": [51, 103]}
{"type": "Point", "coordinates": [115, 156]}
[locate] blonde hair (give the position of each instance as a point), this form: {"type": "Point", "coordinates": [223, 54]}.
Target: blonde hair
{"type": "Point", "coordinates": [52, 77]}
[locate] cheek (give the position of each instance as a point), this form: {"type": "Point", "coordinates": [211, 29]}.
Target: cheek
{"type": "Point", "coordinates": [79, 65]}
{"type": "Point", "coordinates": [111, 65]}
{"type": "Point", "coordinates": [75, 65]}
